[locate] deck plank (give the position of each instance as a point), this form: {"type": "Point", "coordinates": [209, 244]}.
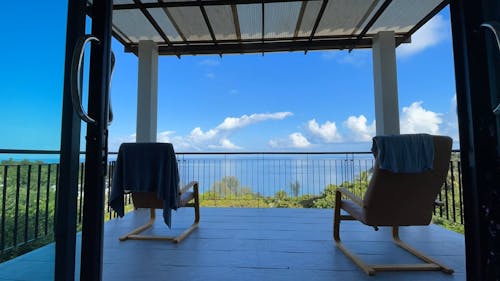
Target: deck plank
{"type": "Point", "coordinates": [253, 244]}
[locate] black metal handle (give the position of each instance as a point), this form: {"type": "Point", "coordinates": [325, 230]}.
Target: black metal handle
{"type": "Point", "coordinates": [110, 108]}
{"type": "Point", "coordinates": [76, 68]}
{"type": "Point", "coordinates": [495, 28]}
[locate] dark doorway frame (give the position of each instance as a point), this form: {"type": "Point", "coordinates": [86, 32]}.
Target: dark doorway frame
{"type": "Point", "coordinates": [96, 146]}
{"type": "Point", "coordinates": [477, 72]}
{"type": "Point", "coordinates": [477, 75]}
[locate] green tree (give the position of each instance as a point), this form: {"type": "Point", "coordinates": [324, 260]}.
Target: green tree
{"type": "Point", "coordinates": [30, 190]}
{"type": "Point", "coordinates": [228, 186]}
{"type": "Point", "coordinates": [327, 198]}
{"type": "Point", "coordinates": [281, 195]}
{"type": "Point", "coordinates": [229, 193]}
{"type": "Point", "coordinates": [282, 200]}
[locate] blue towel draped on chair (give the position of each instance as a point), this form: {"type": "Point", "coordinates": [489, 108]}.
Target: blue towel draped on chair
{"type": "Point", "coordinates": [404, 153]}
{"type": "Point", "coordinates": [146, 167]}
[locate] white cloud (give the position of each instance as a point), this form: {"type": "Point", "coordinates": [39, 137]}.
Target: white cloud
{"type": "Point", "coordinates": [357, 58]}
{"type": "Point", "coordinates": [359, 129]}
{"type": "Point", "coordinates": [180, 143]}
{"type": "Point", "coordinates": [210, 75]}
{"type": "Point", "coordinates": [114, 144]}
{"type": "Point", "coordinates": [198, 134]}
{"type": "Point", "coordinates": [327, 136]}
{"type": "Point", "coordinates": [165, 136]}
{"type": "Point", "coordinates": [209, 62]}
{"type": "Point", "coordinates": [294, 140]}
{"type": "Point", "coordinates": [225, 144]}
{"type": "Point", "coordinates": [215, 138]}
{"type": "Point", "coordinates": [231, 123]}
{"type": "Point", "coordinates": [327, 132]}
{"type": "Point", "coordinates": [298, 140]}
{"type": "Point", "coordinates": [450, 120]}
{"type": "Point", "coordinates": [416, 119]}
{"type": "Point", "coordinates": [275, 143]}
{"type": "Point", "coordinates": [330, 55]}
{"type": "Point", "coordinates": [435, 31]}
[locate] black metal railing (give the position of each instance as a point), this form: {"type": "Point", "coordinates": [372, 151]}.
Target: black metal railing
{"type": "Point", "coordinates": [306, 179]}
{"type": "Point", "coordinates": [252, 179]}
{"type": "Point", "coordinates": [27, 202]}
{"type": "Point", "coordinates": [28, 198]}
{"type": "Point", "coordinates": [451, 194]}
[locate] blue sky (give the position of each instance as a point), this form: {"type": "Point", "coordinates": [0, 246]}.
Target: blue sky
{"type": "Point", "coordinates": [284, 101]}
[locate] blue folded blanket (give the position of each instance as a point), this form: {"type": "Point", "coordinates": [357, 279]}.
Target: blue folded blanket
{"type": "Point", "coordinates": [148, 167]}
{"type": "Point", "coordinates": [413, 153]}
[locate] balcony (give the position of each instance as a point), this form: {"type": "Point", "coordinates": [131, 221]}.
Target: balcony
{"type": "Point", "coordinates": [259, 243]}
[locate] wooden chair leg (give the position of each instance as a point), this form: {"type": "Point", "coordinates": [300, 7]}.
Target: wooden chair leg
{"type": "Point", "coordinates": [140, 228]}
{"type": "Point", "coordinates": [194, 226]}
{"type": "Point", "coordinates": [134, 234]}
{"type": "Point", "coordinates": [431, 264]}
{"type": "Point", "coordinates": [336, 237]}
{"type": "Point", "coordinates": [336, 217]}
{"type": "Point", "coordinates": [196, 203]}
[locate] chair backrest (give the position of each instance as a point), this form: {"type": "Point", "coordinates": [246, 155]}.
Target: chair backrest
{"type": "Point", "coordinates": [149, 171]}
{"type": "Point", "coordinates": [396, 199]}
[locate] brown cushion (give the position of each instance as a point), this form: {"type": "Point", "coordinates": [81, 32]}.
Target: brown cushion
{"type": "Point", "coordinates": [185, 198]}
{"type": "Point", "coordinates": [354, 210]}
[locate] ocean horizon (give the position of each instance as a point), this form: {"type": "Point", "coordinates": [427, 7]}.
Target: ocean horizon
{"type": "Point", "coordinates": [264, 174]}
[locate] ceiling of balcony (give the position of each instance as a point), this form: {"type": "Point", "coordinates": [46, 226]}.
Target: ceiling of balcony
{"type": "Point", "coordinates": [191, 27]}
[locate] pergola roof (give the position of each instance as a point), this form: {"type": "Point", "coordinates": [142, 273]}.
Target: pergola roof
{"type": "Point", "coordinates": [191, 27]}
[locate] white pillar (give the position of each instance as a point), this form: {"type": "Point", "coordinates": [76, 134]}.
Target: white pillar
{"type": "Point", "coordinates": [386, 83]}
{"type": "Point", "coordinates": [147, 92]}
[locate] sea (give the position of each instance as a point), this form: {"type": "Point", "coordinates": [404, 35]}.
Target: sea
{"type": "Point", "coordinates": [262, 173]}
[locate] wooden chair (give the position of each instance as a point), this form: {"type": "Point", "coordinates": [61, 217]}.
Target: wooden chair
{"type": "Point", "coordinates": [396, 199]}
{"type": "Point", "coordinates": [150, 173]}
{"type": "Point", "coordinates": [149, 200]}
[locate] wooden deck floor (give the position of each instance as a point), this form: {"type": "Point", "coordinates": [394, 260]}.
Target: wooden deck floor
{"type": "Point", "coordinates": [253, 244]}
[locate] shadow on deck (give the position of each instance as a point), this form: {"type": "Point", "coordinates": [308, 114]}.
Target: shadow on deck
{"type": "Point", "coordinates": [253, 244]}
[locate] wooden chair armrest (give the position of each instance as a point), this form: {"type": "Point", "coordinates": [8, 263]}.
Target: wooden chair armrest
{"type": "Point", "coordinates": [351, 196]}
{"type": "Point", "coordinates": [193, 184]}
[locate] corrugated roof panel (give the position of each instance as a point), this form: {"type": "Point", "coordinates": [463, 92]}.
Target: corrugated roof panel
{"type": "Point", "coordinates": [135, 25]}
{"type": "Point", "coordinates": [122, 1]}
{"type": "Point", "coordinates": [281, 19]}
{"type": "Point", "coordinates": [398, 18]}
{"type": "Point", "coordinates": [377, 4]}
{"type": "Point", "coordinates": [221, 20]}
{"type": "Point", "coordinates": [191, 23]}
{"type": "Point", "coordinates": [342, 19]}
{"type": "Point", "coordinates": [250, 16]}
{"type": "Point", "coordinates": [163, 21]}
{"type": "Point", "coordinates": [342, 16]}
{"type": "Point", "coordinates": [309, 17]}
